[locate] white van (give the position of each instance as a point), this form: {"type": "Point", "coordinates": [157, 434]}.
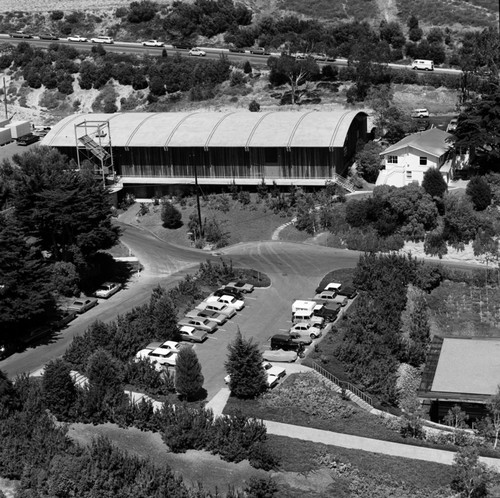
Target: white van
{"type": "Point", "coordinates": [423, 65]}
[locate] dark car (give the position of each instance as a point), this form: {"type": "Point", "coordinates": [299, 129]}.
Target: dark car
{"type": "Point", "coordinates": [258, 51]}
{"type": "Point", "coordinates": [328, 312]}
{"type": "Point", "coordinates": [237, 50]}
{"type": "Point", "coordinates": [20, 34]}
{"type": "Point", "coordinates": [349, 292]}
{"type": "Point", "coordinates": [182, 46]}
{"type": "Point", "coordinates": [285, 342]}
{"type": "Point", "coordinates": [28, 139]}
{"type": "Point", "coordinates": [48, 36]}
{"type": "Point", "coordinates": [228, 291]}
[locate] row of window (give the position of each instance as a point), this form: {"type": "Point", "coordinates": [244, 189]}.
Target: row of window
{"type": "Point", "coordinates": [394, 160]}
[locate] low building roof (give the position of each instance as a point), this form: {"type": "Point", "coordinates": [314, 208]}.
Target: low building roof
{"type": "Point", "coordinates": [468, 366]}
{"type": "Point", "coordinates": [208, 129]}
{"type": "Point", "coordinates": [432, 141]}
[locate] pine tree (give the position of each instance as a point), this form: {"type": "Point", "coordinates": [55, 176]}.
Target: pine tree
{"type": "Point", "coordinates": [59, 392]}
{"type": "Point", "coordinates": [479, 192]}
{"type": "Point", "coordinates": [9, 398]}
{"type": "Point", "coordinates": [244, 365]}
{"type": "Point", "coordinates": [434, 183]}
{"type": "Point", "coordinates": [170, 216]}
{"type": "Point", "coordinates": [188, 376]}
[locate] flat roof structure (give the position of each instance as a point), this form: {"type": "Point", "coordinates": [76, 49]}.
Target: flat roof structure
{"type": "Point", "coordinates": [467, 369]}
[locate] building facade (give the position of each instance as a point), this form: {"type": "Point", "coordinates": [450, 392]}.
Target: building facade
{"type": "Point", "coordinates": [148, 150]}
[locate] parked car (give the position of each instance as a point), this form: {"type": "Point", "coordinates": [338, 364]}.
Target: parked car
{"type": "Point", "coordinates": [171, 345]}
{"type": "Point", "coordinates": [420, 113]}
{"type": "Point", "coordinates": [279, 355]}
{"type": "Point", "coordinates": [313, 331]}
{"type": "Point", "coordinates": [242, 286]}
{"type": "Point", "coordinates": [153, 345]}
{"type": "Point", "coordinates": [452, 125]}
{"type": "Point", "coordinates": [77, 38]}
{"type": "Point", "coordinates": [164, 356]}
{"type": "Point", "coordinates": [65, 317]}
{"type": "Point", "coordinates": [82, 305]}
{"type": "Point", "coordinates": [230, 301]}
{"type": "Point", "coordinates": [423, 64]}
{"type": "Point", "coordinates": [27, 139]}
{"type": "Point", "coordinates": [331, 296]}
{"type": "Point", "coordinates": [103, 39]}
{"type": "Point", "coordinates": [349, 292]}
{"type": "Point", "coordinates": [20, 34]}
{"type": "Point", "coordinates": [285, 342]}
{"type": "Point", "coordinates": [143, 354]}
{"type": "Point", "coordinates": [329, 311]}
{"type": "Point", "coordinates": [217, 307]}
{"type": "Point", "coordinates": [330, 286]}
{"type": "Point", "coordinates": [107, 289]}
{"type": "Point", "coordinates": [228, 291]}
{"type": "Point", "coordinates": [191, 334]}
{"type": "Point", "coordinates": [48, 36]}
{"type": "Point", "coordinates": [153, 43]}
{"type": "Point", "coordinates": [197, 52]}
{"type": "Point", "coordinates": [199, 323]}
{"type": "Point", "coordinates": [218, 318]}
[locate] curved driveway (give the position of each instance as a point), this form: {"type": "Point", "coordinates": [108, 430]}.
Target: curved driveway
{"type": "Point", "coordinates": [294, 269]}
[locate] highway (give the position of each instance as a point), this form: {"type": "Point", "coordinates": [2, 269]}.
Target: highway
{"type": "Point", "coordinates": [212, 53]}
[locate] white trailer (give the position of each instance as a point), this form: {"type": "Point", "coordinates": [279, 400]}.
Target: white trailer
{"type": "Point", "coordinates": [19, 128]}
{"type": "Point", "coordinates": [5, 136]}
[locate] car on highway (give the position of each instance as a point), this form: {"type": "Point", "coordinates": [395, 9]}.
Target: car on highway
{"type": "Point", "coordinates": [153, 43]}
{"type": "Point", "coordinates": [242, 286]}
{"type": "Point", "coordinates": [27, 139]}
{"type": "Point", "coordinates": [191, 334]}
{"type": "Point", "coordinates": [230, 301]}
{"type": "Point", "coordinates": [48, 36]}
{"type": "Point", "coordinates": [420, 113]}
{"type": "Point", "coordinates": [81, 305]}
{"type": "Point", "coordinates": [237, 50]}
{"type": "Point", "coordinates": [452, 125]}
{"type": "Point", "coordinates": [320, 57]}
{"type": "Point", "coordinates": [197, 52]}
{"type": "Point", "coordinates": [228, 291]}
{"type": "Point", "coordinates": [77, 38]}
{"type": "Point", "coordinates": [199, 323]}
{"type": "Point", "coordinates": [107, 289]}
{"type": "Point", "coordinates": [300, 56]}
{"type": "Point", "coordinates": [279, 355]}
{"type": "Point", "coordinates": [258, 51]}
{"type": "Point", "coordinates": [311, 330]}
{"type": "Point", "coordinates": [218, 318]}
{"type": "Point", "coordinates": [219, 308]}
{"type": "Point", "coordinates": [20, 34]}
{"type": "Point", "coordinates": [103, 39]}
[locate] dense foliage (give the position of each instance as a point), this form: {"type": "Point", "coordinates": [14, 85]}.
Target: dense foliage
{"type": "Point", "coordinates": [188, 376]}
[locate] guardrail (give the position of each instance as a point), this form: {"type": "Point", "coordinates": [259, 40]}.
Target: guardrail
{"type": "Point", "coordinates": [342, 383]}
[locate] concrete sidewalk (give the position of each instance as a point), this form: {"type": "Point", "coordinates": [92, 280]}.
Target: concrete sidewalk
{"type": "Point", "coordinates": [366, 444]}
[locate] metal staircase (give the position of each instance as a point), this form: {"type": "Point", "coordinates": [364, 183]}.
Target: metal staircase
{"type": "Point", "coordinates": [343, 182]}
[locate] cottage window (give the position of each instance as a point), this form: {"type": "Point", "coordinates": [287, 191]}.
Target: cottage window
{"type": "Point", "coordinates": [423, 161]}
{"type": "Point", "coordinates": [392, 159]}
{"type": "Point", "coordinates": [408, 175]}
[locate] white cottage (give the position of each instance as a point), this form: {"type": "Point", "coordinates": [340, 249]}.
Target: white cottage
{"type": "Point", "coordinates": [406, 162]}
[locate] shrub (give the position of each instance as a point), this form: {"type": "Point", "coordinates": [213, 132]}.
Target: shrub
{"type": "Point", "coordinates": [170, 216]}
{"type": "Point", "coordinates": [188, 376]}
{"type": "Point", "coordinates": [56, 15]}
{"type": "Point", "coordinates": [434, 183]}
{"type": "Point", "coordinates": [254, 106]}
{"type": "Point", "coordinates": [479, 192]}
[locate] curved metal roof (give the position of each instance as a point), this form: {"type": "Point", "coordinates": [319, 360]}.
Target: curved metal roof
{"type": "Point", "coordinates": [211, 129]}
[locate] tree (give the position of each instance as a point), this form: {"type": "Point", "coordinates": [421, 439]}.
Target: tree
{"type": "Point", "coordinates": [434, 183]}
{"type": "Point", "coordinates": [368, 162]}
{"type": "Point", "coordinates": [244, 366]}
{"type": "Point", "coordinates": [254, 106]}
{"type": "Point", "coordinates": [494, 411]}
{"type": "Point", "coordinates": [461, 222]}
{"type": "Point", "coordinates": [67, 210]}
{"type": "Point", "coordinates": [247, 67]}
{"type": "Point", "coordinates": [479, 192]}
{"type": "Point", "coordinates": [59, 392]}
{"type": "Point", "coordinates": [471, 477]}
{"type": "Point", "coordinates": [142, 11]}
{"type": "Point", "coordinates": [26, 298]}
{"type": "Point", "coordinates": [188, 376]}
{"type": "Point", "coordinates": [9, 398]}
{"type": "Point", "coordinates": [170, 216]}
{"type": "Point", "coordinates": [457, 419]}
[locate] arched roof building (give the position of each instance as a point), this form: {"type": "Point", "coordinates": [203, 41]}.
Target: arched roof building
{"type": "Point", "coordinates": [300, 148]}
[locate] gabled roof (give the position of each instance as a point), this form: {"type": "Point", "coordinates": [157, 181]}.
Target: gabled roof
{"type": "Point", "coordinates": [432, 141]}
{"type": "Point", "coordinates": [212, 129]}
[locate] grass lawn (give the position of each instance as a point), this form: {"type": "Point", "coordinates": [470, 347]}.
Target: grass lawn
{"type": "Point", "coordinates": [243, 223]}
{"type": "Point", "coordinates": [343, 276]}
{"type": "Point", "coordinates": [302, 456]}
{"type": "Point", "coordinates": [461, 310]}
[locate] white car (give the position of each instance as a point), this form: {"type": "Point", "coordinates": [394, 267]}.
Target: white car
{"type": "Point", "coordinates": [153, 43]}
{"type": "Point", "coordinates": [107, 289]}
{"type": "Point", "coordinates": [304, 328]}
{"type": "Point", "coordinates": [220, 308]}
{"type": "Point", "coordinates": [420, 113]}
{"type": "Point", "coordinates": [452, 126]}
{"type": "Point", "coordinates": [197, 52]}
{"type": "Point", "coordinates": [77, 38]}
{"type": "Point", "coordinates": [218, 318]}
{"type": "Point", "coordinates": [103, 39]}
{"type": "Point", "coordinates": [160, 357]}
{"type": "Point", "coordinates": [191, 334]}
{"type": "Point", "coordinates": [230, 301]}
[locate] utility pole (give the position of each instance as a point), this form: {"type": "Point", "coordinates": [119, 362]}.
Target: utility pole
{"type": "Point", "coordinates": [5, 100]}
{"type": "Point", "coordinates": [195, 164]}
